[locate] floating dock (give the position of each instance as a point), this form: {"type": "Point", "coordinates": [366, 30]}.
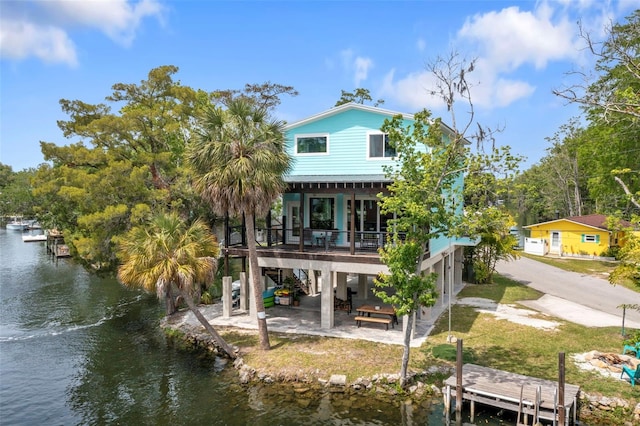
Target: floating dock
{"type": "Point", "coordinates": [55, 244]}
{"type": "Point", "coordinates": [34, 238]}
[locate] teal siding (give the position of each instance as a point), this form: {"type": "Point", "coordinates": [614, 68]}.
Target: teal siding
{"type": "Point", "coordinates": [441, 244]}
{"type": "Point", "coordinates": [347, 145]}
{"type": "Point", "coordinates": [347, 132]}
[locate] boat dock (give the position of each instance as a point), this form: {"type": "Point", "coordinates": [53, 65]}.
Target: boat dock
{"type": "Point", "coordinates": [527, 396]}
{"type": "Point", "coordinates": [33, 238]}
{"type": "Point", "coordinates": [55, 244]}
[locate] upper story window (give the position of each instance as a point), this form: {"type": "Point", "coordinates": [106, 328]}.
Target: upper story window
{"type": "Point", "coordinates": [379, 146]}
{"type": "Point", "coordinates": [312, 144]}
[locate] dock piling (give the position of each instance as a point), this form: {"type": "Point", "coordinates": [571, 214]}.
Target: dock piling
{"type": "Point", "coordinates": [459, 377]}
{"type": "Point", "coordinates": [561, 374]}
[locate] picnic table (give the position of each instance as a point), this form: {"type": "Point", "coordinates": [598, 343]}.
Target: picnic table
{"type": "Point", "coordinates": [365, 311]}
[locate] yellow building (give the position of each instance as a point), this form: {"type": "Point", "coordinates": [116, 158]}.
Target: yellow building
{"type": "Point", "coordinates": [578, 235]}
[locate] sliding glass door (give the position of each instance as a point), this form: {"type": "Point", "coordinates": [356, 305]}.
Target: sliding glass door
{"type": "Point", "coordinates": [367, 217]}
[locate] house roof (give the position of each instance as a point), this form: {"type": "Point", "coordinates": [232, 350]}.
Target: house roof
{"type": "Point", "coordinates": [371, 184]}
{"type": "Point", "coordinates": [597, 221]}
{"type": "Point", "coordinates": [336, 178]}
{"type": "Point", "coordinates": [346, 107]}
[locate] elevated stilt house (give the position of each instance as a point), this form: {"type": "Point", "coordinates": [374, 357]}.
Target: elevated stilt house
{"type": "Point", "coordinates": [331, 224]}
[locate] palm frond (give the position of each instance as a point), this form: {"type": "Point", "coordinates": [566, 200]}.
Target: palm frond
{"type": "Point", "coordinates": [168, 252]}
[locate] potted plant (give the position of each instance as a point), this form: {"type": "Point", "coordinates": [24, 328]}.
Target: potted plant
{"type": "Point", "coordinates": [296, 299]}
{"type": "Point", "coordinates": [289, 283]}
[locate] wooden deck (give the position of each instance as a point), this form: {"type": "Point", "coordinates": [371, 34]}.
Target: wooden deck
{"type": "Point", "coordinates": [514, 392]}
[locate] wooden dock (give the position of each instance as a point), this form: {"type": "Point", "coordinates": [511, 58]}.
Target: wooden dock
{"type": "Point", "coordinates": [527, 396]}
{"type": "Point", "coordinates": [55, 244]}
{"type": "Point", "coordinates": [34, 238]}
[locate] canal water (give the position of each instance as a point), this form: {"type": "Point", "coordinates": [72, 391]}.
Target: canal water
{"type": "Point", "coordinates": [78, 349]}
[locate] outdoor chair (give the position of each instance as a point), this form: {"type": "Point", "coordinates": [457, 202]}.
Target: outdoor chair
{"type": "Point", "coordinates": [344, 305]}
{"type": "Point", "coordinates": [631, 348]}
{"type": "Point", "coordinates": [308, 237]}
{"type": "Point", "coordinates": [369, 241]}
{"type": "Point", "coordinates": [633, 374]}
{"type": "Point", "coordinates": [333, 237]}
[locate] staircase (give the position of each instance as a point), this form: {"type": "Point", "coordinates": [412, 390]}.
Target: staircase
{"type": "Point", "coordinates": [275, 275]}
{"type": "Point", "coordinates": [301, 280]}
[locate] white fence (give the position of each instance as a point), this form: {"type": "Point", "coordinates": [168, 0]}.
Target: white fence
{"type": "Point", "coordinates": [537, 246]}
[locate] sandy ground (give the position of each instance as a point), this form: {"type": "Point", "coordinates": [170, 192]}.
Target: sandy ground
{"type": "Point", "coordinates": [510, 313]}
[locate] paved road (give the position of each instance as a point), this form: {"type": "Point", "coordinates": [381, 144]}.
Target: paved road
{"type": "Point", "coordinates": [579, 298]}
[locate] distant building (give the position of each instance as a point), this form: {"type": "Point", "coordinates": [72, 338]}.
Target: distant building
{"type": "Point", "coordinates": [574, 236]}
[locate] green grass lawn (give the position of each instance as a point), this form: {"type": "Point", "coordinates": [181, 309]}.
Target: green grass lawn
{"type": "Point", "coordinates": [524, 349]}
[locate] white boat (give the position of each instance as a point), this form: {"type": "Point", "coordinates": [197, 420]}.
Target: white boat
{"type": "Point", "coordinates": [17, 224]}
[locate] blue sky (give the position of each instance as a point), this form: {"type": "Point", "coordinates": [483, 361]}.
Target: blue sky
{"type": "Point", "coordinates": [52, 49]}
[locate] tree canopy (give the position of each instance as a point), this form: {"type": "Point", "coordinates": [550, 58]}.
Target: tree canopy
{"type": "Point", "coordinates": [488, 185]}
{"type": "Point", "coordinates": [16, 196]}
{"type": "Point", "coordinates": [426, 192]}
{"type": "Point", "coordinates": [608, 147]}
{"type": "Point", "coordinates": [127, 161]}
{"type": "Point", "coordinates": [125, 165]}
{"type": "Point", "coordinates": [359, 96]}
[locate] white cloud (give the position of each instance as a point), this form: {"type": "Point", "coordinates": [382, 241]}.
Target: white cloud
{"type": "Point", "coordinates": [21, 39]}
{"type": "Point", "coordinates": [421, 44]}
{"type": "Point", "coordinates": [362, 66]}
{"type": "Point", "coordinates": [491, 89]}
{"type": "Point", "coordinates": [508, 91]}
{"type": "Point", "coordinates": [358, 65]}
{"type": "Point", "coordinates": [505, 43]}
{"type": "Point", "coordinates": [41, 28]}
{"type": "Point", "coordinates": [411, 91]}
{"type": "Point", "coordinates": [118, 19]}
{"type": "Point", "coordinates": [510, 38]}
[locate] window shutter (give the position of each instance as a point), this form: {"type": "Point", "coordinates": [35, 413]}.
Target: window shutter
{"type": "Point", "coordinates": [582, 240]}
{"type": "Point", "coordinates": [598, 238]}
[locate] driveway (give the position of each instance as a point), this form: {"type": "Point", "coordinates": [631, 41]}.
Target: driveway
{"type": "Point", "coordinates": [575, 297]}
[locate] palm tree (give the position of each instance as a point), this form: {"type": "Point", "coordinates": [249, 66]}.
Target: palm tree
{"type": "Point", "coordinates": [239, 160]}
{"type": "Point", "coordinates": [168, 255]}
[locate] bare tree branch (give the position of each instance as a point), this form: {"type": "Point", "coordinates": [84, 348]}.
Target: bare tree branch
{"type": "Point", "coordinates": [602, 93]}
{"type": "Point", "coordinates": [452, 85]}
{"type": "Point", "coordinates": [626, 191]}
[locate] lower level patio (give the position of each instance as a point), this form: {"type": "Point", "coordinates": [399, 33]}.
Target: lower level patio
{"type": "Point", "coordinates": [305, 319]}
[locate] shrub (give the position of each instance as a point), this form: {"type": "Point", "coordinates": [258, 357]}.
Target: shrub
{"type": "Point", "coordinates": [611, 252]}
{"type": "Point", "coordinates": [206, 298]}
{"type": "Point", "coordinates": [482, 273]}
{"type": "Point", "coordinates": [633, 339]}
